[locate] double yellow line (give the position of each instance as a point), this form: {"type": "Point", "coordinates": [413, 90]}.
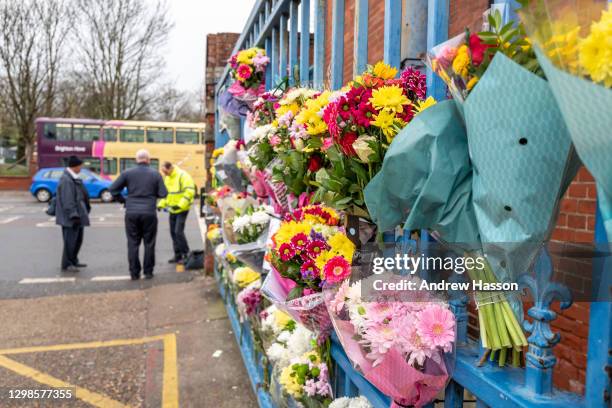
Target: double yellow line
{"type": "Point", "coordinates": [170, 398]}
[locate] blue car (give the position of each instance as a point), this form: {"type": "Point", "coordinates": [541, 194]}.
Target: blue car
{"type": "Point", "coordinates": [45, 181]}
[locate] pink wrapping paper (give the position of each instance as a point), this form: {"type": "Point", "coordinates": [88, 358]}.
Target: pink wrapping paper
{"type": "Point", "coordinates": [394, 377]}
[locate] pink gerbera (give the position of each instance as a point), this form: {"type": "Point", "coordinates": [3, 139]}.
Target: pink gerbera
{"type": "Point", "coordinates": [436, 326]}
{"type": "Point", "coordinates": [336, 269]}
{"type": "Point", "coordinates": [244, 72]}
{"type": "Point", "coordinates": [299, 241]}
{"type": "Point", "coordinates": [315, 247]}
{"type": "Point", "coordinates": [286, 252]}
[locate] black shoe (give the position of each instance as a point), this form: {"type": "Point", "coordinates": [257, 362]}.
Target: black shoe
{"type": "Point", "coordinates": [135, 277]}
{"type": "Point", "coordinates": [149, 276]}
{"type": "Point", "coordinates": [173, 260]}
{"type": "Point", "coordinates": [70, 268]}
{"type": "Point", "coordinates": [81, 265]}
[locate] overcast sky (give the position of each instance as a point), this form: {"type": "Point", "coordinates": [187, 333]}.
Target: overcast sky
{"type": "Point", "coordinates": [193, 19]}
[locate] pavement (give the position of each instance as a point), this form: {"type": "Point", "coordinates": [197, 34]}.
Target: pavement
{"type": "Point", "coordinates": [116, 343]}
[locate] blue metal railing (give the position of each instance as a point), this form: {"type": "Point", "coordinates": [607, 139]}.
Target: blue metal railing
{"type": "Point", "coordinates": [282, 27]}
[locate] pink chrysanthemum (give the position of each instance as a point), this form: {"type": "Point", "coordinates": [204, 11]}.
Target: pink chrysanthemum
{"type": "Point", "coordinates": [336, 269]}
{"type": "Point", "coordinates": [286, 252]}
{"type": "Point", "coordinates": [436, 326]}
{"type": "Point", "coordinates": [299, 241]}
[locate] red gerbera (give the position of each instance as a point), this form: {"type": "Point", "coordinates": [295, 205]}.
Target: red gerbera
{"type": "Point", "coordinates": [286, 252]}
{"type": "Point", "coordinates": [309, 270]}
{"type": "Point", "coordinates": [336, 269]}
{"type": "Point", "coordinates": [299, 241]}
{"type": "Point", "coordinates": [315, 247]}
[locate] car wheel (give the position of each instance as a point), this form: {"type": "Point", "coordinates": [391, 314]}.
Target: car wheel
{"type": "Point", "coordinates": [43, 195]}
{"type": "Point", "coordinates": [106, 196]}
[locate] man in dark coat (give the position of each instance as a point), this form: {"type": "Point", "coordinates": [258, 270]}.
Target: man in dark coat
{"type": "Point", "coordinates": [144, 186]}
{"type": "Point", "coordinates": [72, 213]}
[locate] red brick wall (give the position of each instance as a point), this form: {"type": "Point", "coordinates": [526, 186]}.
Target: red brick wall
{"type": "Point", "coordinates": [577, 209]}
{"type": "Point", "coordinates": [15, 183]}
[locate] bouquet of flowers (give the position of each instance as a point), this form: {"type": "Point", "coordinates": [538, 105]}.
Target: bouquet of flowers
{"type": "Point", "coordinates": [245, 225]}
{"type": "Point", "coordinates": [248, 68]}
{"type": "Point", "coordinates": [463, 60]}
{"type": "Point", "coordinates": [306, 379]}
{"type": "Point", "coordinates": [213, 234]}
{"type": "Point", "coordinates": [405, 349]}
{"type": "Point", "coordinates": [310, 251]}
{"type": "Point", "coordinates": [574, 48]}
{"type": "Point", "coordinates": [263, 109]}
{"type": "Point", "coordinates": [245, 276]}
{"type": "Point", "coordinates": [361, 122]}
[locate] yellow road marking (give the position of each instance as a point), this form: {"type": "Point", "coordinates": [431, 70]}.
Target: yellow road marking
{"type": "Point", "coordinates": [93, 398]}
{"type": "Point", "coordinates": [170, 395]}
{"type": "Point", "coordinates": [80, 346]}
{"type": "Point", "coordinates": [170, 377]}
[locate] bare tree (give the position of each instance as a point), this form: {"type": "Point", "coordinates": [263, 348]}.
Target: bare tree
{"type": "Point", "coordinates": [33, 34]}
{"type": "Point", "coordinates": [174, 105]}
{"type": "Point", "coordinates": [118, 45]}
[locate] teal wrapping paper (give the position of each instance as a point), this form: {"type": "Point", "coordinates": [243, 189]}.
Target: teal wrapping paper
{"type": "Point", "coordinates": [587, 111]}
{"type": "Point", "coordinates": [426, 178]}
{"type": "Point", "coordinates": [523, 160]}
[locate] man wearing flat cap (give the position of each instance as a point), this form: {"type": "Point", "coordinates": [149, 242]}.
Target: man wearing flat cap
{"type": "Point", "coordinates": [72, 213]}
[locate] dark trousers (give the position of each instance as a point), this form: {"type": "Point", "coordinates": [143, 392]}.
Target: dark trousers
{"type": "Point", "coordinates": [177, 231]}
{"type": "Point", "coordinates": [138, 228]}
{"type": "Point", "coordinates": [73, 239]}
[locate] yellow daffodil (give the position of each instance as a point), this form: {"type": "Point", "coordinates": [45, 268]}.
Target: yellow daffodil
{"type": "Point", "coordinates": [384, 71]}
{"type": "Point", "coordinates": [389, 98]}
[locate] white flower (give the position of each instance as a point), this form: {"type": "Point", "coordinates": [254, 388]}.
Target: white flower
{"type": "Point", "coordinates": [260, 218]}
{"type": "Point", "coordinates": [344, 402]}
{"type": "Point", "coordinates": [296, 93]}
{"type": "Point", "coordinates": [262, 132]}
{"type": "Point", "coordinates": [240, 223]}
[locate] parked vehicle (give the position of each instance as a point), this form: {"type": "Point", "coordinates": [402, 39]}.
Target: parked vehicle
{"type": "Point", "coordinates": [45, 181]}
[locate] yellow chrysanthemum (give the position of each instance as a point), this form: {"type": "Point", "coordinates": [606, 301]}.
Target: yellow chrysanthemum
{"type": "Point", "coordinates": [246, 56]}
{"type": "Point", "coordinates": [562, 47]}
{"type": "Point", "coordinates": [289, 382]}
{"type": "Point", "coordinates": [389, 98]}
{"type": "Point", "coordinates": [384, 71]}
{"type": "Point", "coordinates": [461, 61]}
{"type": "Point", "coordinates": [595, 51]}
{"type": "Point", "coordinates": [244, 276]}
{"type": "Point", "coordinates": [386, 121]}
{"type": "Point", "coordinates": [288, 230]}
{"type": "Point", "coordinates": [427, 103]}
{"type": "Point", "coordinates": [310, 115]}
{"type": "Point", "coordinates": [283, 109]}
{"type": "Point", "coordinates": [341, 245]}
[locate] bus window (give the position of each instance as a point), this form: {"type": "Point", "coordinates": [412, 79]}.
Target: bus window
{"type": "Point", "coordinates": [184, 136]}
{"type": "Point", "coordinates": [125, 164]}
{"type": "Point", "coordinates": [92, 163]}
{"type": "Point", "coordinates": [160, 135]}
{"type": "Point", "coordinates": [110, 134]}
{"type": "Point", "coordinates": [85, 133]}
{"type": "Point", "coordinates": [109, 166]}
{"type": "Point", "coordinates": [131, 135]}
{"type": "Point", "coordinates": [58, 131]}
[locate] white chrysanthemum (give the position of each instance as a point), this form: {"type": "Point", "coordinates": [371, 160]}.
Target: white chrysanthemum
{"type": "Point", "coordinates": [262, 132]}
{"type": "Point", "coordinates": [269, 323]}
{"type": "Point", "coordinates": [276, 352]}
{"type": "Point", "coordinates": [300, 341]}
{"type": "Point", "coordinates": [342, 402]}
{"type": "Point", "coordinates": [240, 223]}
{"type": "Point", "coordinates": [296, 93]}
{"type": "Point", "coordinates": [260, 218]}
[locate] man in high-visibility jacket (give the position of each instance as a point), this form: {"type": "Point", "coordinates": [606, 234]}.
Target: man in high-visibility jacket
{"type": "Point", "coordinates": [181, 192]}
